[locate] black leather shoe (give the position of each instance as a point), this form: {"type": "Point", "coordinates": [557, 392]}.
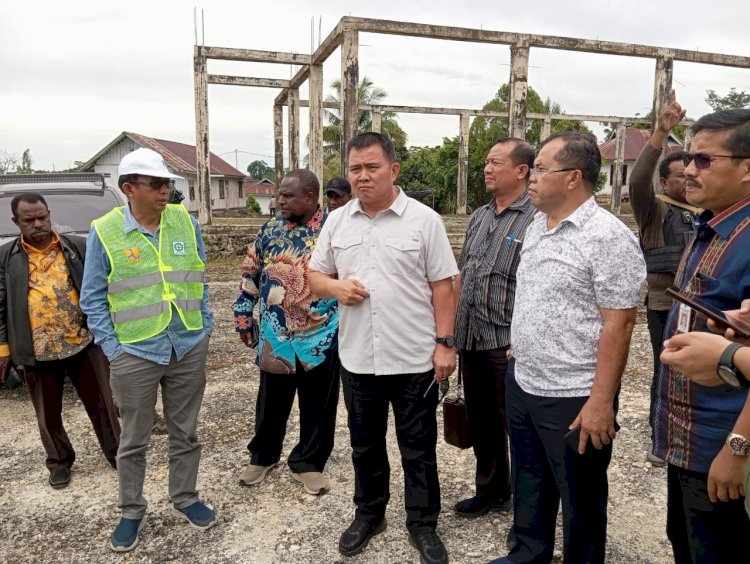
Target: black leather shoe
{"type": "Point", "coordinates": [477, 506]}
{"type": "Point", "coordinates": [59, 478]}
{"type": "Point", "coordinates": [431, 548]}
{"type": "Point", "coordinates": [355, 538]}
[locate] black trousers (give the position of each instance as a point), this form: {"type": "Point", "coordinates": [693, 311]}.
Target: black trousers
{"type": "Point", "coordinates": [318, 393]}
{"type": "Point", "coordinates": [89, 372]}
{"type": "Point", "coordinates": [657, 321]}
{"type": "Point", "coordinates": [702, 532]}
{"type": "Point", "coordinates": [484, 389]}
{"type": "Point", "coordinates": [546, 472]}
{"type": "Point", "coordinates": [367, 399]}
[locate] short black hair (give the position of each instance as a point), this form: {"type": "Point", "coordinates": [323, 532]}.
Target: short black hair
{"type": "Point", "coordinates": [307, 180]}
{"type": "Point", "coordinates": [668, 160]}
{"type": "Point", "coordinates": [370, 138]}
{"type": "Point", "coordinates": [29, 198]}
{"type": "Point", "coordinates": [580, 152]}
{"type": "Point", "coordinates": [127, 178]}
{"type": "Point", "coordinates": [737, 121]}
{"type": "Point", "coordinates": [522, 153]}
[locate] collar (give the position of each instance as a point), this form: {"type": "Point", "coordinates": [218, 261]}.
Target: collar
{"type": "Point", "coordinates": [398, 206]}
{"type": "Point", "coordinates": [684, 205]}
{"type": "Point", "coordinates": [313, 223]}
{"type": "Point", "coordinates": [131, 222]}
{"type": "Point", "coordinates": [520, 203]}
{"type": "Point", "coordinates": [31, 249]}
{"type": "Point", "coordinates": [582, 213]}
{"type": "Point", "coordinates": [726, 222]}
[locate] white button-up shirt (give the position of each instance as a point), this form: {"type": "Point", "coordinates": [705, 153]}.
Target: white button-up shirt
{"type": "Point", "coordinates": [395, 255]}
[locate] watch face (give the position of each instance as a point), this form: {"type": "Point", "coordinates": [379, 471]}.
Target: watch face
{"type": "Point", "coordinates": [729, 376]}
{"type": "Point", "coordinates": [739, 445]}
{"type": "Point", "coordinates": [450, 341]}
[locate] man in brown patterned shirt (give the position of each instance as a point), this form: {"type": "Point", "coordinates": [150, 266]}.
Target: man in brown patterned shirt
{"type": "Point", "coordinates": [43, 331]}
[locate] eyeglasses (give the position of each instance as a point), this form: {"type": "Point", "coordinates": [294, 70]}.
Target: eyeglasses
{"type": "Point", "coordinates": [541, 171]}
{"type": "Point", "coordinates": [155, 183]}
{"type": "Point", "coordinates": [704, 160]}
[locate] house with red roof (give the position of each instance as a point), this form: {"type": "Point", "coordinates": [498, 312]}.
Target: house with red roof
{"type": "Point", "coordinates": [635, 140]}
{"type": "Point", "coordinates": [227, 183]}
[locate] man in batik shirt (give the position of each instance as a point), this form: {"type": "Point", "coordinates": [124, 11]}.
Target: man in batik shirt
{"type": "Point", "coordinates": [298, 345]}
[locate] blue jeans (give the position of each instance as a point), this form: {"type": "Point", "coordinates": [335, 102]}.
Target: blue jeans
{"type": "Point", "coordinates": [546, 472]}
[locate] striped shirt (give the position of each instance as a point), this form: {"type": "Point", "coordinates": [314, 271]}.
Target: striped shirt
{"type": "Point", "coordinates": [488, 263]}
{"type": "Point", "coordinates": [692, 421]}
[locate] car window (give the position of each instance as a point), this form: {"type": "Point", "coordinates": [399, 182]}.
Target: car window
{"type": "Point", "coordinates": [70, 212]}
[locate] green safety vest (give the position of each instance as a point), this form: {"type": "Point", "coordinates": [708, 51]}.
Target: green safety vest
{"type": "Point", "coordinates": [146, 282]}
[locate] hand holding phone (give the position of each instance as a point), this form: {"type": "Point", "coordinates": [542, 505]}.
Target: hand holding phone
{"type": "Point", "coordinates": [740, 328]}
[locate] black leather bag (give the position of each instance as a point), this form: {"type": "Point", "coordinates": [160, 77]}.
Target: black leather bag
{"type": "Point", "coordinates": [455, 421]}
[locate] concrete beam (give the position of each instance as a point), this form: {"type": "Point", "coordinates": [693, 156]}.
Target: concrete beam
{"type": "Point", "coordinates": [349, 92]}
{"type": "Point", "coordinates": [255, 56]}
{"type": "Point", "coordinates": [619, 161]}
{"type": "Point", "coordinates": [247, 81]}
{"type": "Point", "coordinates": [519, 86]}
{"type": "Point", "coordinates": [278, 143]}
{"type": "Point", "coordinates": [293, 128]}
{"type": "Point", "coordinates": [315, 137]}
{"type": "Point", "coordinates": [202, 153]}
{"type": "Point", "coordinates": [463, 164]}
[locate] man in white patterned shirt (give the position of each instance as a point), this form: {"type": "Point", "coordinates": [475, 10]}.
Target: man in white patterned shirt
{"type": "Point", "coordinates": [578, 288]}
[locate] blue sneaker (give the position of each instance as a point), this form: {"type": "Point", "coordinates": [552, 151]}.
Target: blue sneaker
{"type": "Point", "coordinates": [125, 536]}
{"type": "Point", "coordinates": [198, 515]}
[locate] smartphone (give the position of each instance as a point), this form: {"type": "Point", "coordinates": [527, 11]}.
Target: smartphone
{"type": "Point", "coordinates": [700, 305]}
{"type": "Point", "coordinates": [572, 438]}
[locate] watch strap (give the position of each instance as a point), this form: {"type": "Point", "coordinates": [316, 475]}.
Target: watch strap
{"type": "Point", "coordinates": [728, 354]}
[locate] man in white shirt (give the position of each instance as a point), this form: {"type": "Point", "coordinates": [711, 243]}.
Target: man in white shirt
{"type": "Point", "coordinates": [387, 260]}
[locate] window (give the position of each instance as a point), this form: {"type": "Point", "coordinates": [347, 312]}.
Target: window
{"type": "Point", "coordinates": [239, 189]}
{"type": "Point", "coordinates": [191, 190]}
{"type": "Point", "coordinates": [612, 174]}
{"type": "Point", "coordinates": [221, 189]}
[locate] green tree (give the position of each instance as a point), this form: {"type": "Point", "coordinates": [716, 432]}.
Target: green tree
{"type": "Point", "coordinates": [251, 205]}
{"type": "Point", "coordinates": [732, 100]}
{"type": "Point", "coordinates": [259, 170]}
{"type": "Point", "coordinates": [26, 163]}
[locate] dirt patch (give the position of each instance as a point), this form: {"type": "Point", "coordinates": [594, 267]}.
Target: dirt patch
{"type": "Point", "coordinates": [276, 521]}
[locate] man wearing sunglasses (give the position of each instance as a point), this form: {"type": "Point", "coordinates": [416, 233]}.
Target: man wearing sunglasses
{"type": "Point", "coordinates": [146, 298]}
{"type": "Point", "coordinates": [666, 225]}
{"type": "Point", "coordinates": [704, 432]}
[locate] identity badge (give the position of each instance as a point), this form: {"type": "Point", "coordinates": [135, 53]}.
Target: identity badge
{"type": "Point", "coordinates": [178, 247]}
{"type": "Point", "coordinates": [683, 318]}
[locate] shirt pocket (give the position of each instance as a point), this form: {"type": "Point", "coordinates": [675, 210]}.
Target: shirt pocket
{"type": "Point", "coordinates": [401, 256]}
{"type": "Point", "coordinates": [347, 254]}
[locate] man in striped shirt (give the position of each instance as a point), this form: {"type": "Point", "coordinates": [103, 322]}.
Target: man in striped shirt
{"type": "Point", "coordinates": [488, 264]}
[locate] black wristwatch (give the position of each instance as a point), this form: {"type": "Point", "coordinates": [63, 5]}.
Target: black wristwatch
{"type": "Point", "coordinates": [727, 371]}
{"type": "Point", "coordinates": [448, 341]}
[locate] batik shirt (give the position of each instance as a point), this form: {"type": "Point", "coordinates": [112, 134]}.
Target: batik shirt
{"type": "Point", "coordinates": [692, 421]}
{"type": "Point", "coordinates": [294, 322]}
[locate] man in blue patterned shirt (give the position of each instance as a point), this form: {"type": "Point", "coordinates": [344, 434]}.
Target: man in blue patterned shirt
{"type": "Point", "coordinates": [298, 341]}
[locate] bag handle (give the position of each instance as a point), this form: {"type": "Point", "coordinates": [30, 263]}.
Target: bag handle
{"type": "Point", "coordinates": [459, 391]}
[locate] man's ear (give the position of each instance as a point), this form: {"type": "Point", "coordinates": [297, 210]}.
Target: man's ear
{"type": "Point", "coordinates": [15, 220]}
{"type": "Point", "coordinates": [663, 182]}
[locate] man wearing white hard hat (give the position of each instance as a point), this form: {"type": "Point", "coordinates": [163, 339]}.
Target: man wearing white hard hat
{"type": "Point", "coordinates": [146, 298]}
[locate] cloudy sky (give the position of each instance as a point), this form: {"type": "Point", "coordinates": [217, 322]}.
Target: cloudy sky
{"type": "Point", "coordinates": [73, 75]}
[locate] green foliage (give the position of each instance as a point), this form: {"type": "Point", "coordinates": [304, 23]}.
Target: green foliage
{"type": "Point", "coordinates": [733, 100]}
{"type": "Point", "coordinates": [251, 205]}
{"type": "Point", "coordinates": [259, 170]}
{"type": "Point", "coordinates": [434, 168]}
{"type": "Point", "coordinates": [600, 182]}
{"type": "Point", "coordinates": [26, 163]}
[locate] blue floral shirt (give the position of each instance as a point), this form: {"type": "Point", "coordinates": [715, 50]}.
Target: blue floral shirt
{"type": "Point", "coordinates": [294, 322]}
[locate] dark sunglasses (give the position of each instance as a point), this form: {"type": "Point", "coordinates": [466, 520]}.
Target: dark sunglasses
{"type": "Point", "coordinates": [704, 160]}
{"type": "Point", "coordinates": [155, 183]}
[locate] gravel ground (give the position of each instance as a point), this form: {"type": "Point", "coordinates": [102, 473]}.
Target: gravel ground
{"type": "Point", "coordinates": [276, 521]}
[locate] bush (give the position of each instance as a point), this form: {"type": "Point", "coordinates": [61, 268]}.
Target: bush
{"type": "Point", "coordinates": [251, 205]}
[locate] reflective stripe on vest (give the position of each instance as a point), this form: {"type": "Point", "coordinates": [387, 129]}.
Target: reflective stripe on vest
{"type": "Point", "coordinates": [146, 283]}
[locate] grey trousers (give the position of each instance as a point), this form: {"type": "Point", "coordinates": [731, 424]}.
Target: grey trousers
{"type": "Point", "coordinates": [134, 384]}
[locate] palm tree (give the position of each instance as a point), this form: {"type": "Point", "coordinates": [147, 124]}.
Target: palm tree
{"type": "Point", "coordinates": [367, 94]}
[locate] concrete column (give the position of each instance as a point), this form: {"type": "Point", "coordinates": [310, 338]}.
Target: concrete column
{"type": "Point", "coordinates": [377, 120]}
{"type": "Point", "coordinates": [293, 100]}
{"type": "Point", "coordinates": [519, 85]}
{"type": "Point", "coordinates": [546, 128]}
{"type": "Point", "coordinates": [316, 124]}
{"type": "Point", "coordinates": [619, 160]}
{"type": "Point", "coordinates": [349, 88]}
{"type": "Point", "coordinates": [662, 89]}
{"type": "Point", "coordinates": [463, 163]}
{"type": "Point", "coordinates": [278, 143]}
{"type": "Point", "coordinates": [202, 154]}
{"type": "Point", "coordinates": [688, 139]}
